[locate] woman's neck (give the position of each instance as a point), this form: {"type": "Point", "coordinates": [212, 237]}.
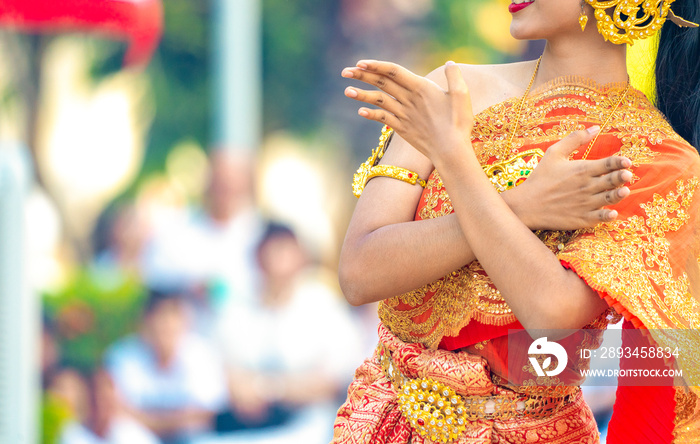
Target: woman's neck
{"type": "Point", "coordinates": [592, 58]}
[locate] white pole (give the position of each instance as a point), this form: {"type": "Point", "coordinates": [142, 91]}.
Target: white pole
{"type": "Point", "coordinates": [237, 70]}
{"type": "Point", "coordinates": [19, 310]}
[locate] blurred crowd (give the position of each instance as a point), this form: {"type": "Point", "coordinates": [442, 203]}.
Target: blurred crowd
{"type": "Point", "coordinates": [240, 336]}
{"type": "Point", "coordinates": [196, 319]}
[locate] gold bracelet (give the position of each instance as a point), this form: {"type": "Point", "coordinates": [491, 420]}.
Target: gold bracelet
{"type": "Point", "coordinates": [370, 169]}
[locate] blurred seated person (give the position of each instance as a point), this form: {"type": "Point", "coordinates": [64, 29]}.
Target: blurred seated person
{"type": "Point", "coordinates": [213, 246]}
{"type": "Point", "coordinates": [293, 347]}
{"type": "Point", "coordinates": [167, 377]}
{"type": "Point", "coordinates": [119, 237]}
{"type": "Point", "coordinates": [105, 421]}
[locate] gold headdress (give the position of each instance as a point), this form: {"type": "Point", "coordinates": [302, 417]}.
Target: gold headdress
{"type": "Point", "coordinates": [633, 19]}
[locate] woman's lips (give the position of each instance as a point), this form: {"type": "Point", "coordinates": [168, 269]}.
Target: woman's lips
{"type": "Point", "coordinates": [515, 7]}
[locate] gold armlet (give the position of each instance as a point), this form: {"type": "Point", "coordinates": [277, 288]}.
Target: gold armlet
{"type": "Point", "coordinates": [369, 169]}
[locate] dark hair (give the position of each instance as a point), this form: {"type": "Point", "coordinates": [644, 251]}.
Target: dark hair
{"type": "Point", "coordinates": [274, 230]}
{"type": "Point", "coordinates": [678, 73]}
{"type": "Point", "coordinates": [157, 296]}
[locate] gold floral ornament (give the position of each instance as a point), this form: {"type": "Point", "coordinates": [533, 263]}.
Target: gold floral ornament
{"type": "Point", "coordinates": [633, 19]}
{"type": "Point", "coordinates": [433, 409]}
{"type": "Point", "coordinates": [512, 172]}
{"type": "Point", "coordinates": [371, 169]}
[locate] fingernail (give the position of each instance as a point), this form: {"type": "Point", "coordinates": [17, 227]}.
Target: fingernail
{"type": "Point", "coordinates": [613, 214]}
{"type": "Point", "coordinates": [362, 65]}
{"type": "Point", "coordinates": [347, 73]}
{"type": "Point", "coordinates": [450, 62]}
{"type": "Point", "coordinates": [593, 130]}
{"type": "Point", "coordinates": [623, 192]}
{"type": "Point", "coordinates": [626, 163]}
{"type": "Point", "coordinates": [350, 92]}
{"type": "Point", "coordinates": [363, 112]}
{"type": "Point", "coordinates": [626, 176]}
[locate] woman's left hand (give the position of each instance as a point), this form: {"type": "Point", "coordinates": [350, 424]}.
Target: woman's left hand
{"type": "Point", "coordinates": [433, 120]}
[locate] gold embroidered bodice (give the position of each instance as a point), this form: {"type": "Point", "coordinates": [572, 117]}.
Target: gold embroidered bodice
{"type": "Point", "coordinates": [444, 307]}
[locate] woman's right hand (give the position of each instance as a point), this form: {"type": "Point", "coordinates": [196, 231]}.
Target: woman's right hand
{"type": "Point", "coordinates": [563, 194]}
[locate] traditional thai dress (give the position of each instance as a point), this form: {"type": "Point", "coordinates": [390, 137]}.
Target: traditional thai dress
{"type": "Point", "coordinates": [440, 372]}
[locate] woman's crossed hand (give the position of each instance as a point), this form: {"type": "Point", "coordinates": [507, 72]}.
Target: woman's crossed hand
{"type": "Point", "coordinates": [563, 194]}
{"type": "Point", "coordinates": [431, 119]}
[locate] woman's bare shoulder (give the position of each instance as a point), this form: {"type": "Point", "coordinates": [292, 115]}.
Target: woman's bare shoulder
{"type": "Point", "coordinates": [490, 84]}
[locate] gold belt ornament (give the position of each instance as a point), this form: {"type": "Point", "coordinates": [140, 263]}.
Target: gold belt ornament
{"type": "Point", "coordinates": [437, 412]}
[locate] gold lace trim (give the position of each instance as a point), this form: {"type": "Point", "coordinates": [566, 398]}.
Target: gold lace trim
{"type": "Point", "coordinates": [582, 82]}
{"type": "Point", "coordinates": [543, 119]}
{"type": "Point", "coordinates": [687, 428]}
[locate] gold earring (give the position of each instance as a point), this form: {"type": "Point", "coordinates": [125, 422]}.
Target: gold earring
{"type": "Point", "coordinates": [583, 18]}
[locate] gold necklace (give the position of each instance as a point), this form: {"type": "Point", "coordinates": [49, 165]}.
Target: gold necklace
{"type": "Point", "coordinates": [527, 93]}
{"type": "Point", "coordinates": [603, 127]}
{"type": "Point", "coordinates": [522, 103]}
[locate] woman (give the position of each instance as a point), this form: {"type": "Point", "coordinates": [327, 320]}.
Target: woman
{"type": "Point", "coordinates": [440, 373]}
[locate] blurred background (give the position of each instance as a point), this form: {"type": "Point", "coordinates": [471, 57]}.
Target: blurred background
{"type": "Point", "coordinates": [174, 190]}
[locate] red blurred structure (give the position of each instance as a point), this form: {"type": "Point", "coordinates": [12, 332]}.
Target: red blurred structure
{"type": "Point", "coordinates": [138, 21]}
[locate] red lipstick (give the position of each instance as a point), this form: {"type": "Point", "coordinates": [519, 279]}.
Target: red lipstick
{"type": "Point", "coordinates": [513, 8]}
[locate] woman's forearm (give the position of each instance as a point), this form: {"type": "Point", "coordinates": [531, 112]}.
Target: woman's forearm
{"type": "Point", "coordinates": [397, 258]}
{"type": "Point", "coordinates": [386, 252]}
{"type": "Point", "coordinates": [400, 257]}
{"type": "Point", "coordinates": [530, 278]}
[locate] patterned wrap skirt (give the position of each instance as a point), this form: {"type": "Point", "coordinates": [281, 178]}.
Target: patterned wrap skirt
{"type": "Point", "coordinates": [377, 411]}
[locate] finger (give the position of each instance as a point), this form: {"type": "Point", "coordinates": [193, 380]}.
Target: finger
{"type": "Point", "coordinates": [566, 146]}
{"type": "Point", "coordinates": [393, 71]}
{"type": "Point", "coordinates": [377, 98]}
{"type": "Point", "coordinates": [607, 165]}
{"type": "Point", "coordinates": [380, 81]}
{"type": "Point", "coordinates": [458, 89]}
{"type": "Point", "coordinates": [611, 197]}
{"type": "Point", "coordinates": [612, 180]}
{"type": "Point", "coordinates": [381, 116]}
{"type": "Point", "coordinates": [604, 215]}
{"type": "Point", "coordinates": [455, 80]}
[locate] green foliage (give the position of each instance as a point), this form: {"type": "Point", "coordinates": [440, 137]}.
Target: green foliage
{"type": "Point", "coordinates": [454, 27]}
{"type": "Point", "coordinates": [93, 310]}
{"type": "Point", "coordinates": [297, 39]}
{"type": "Point", "coordinates": [179, 75]}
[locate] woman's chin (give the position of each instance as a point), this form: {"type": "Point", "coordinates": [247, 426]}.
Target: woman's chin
{"type": "Point", "coordinates": [520, 33]}
{"type": "Point", "coordinates": [521, 30]}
